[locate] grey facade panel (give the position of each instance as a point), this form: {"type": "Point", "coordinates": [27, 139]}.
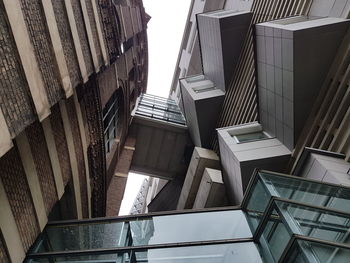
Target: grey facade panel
{"type": "Point", "coordinates": [292, 66]}
{"type": "Point", "coordinates": [202, 105]}
{"type": "Point", "coordinates": [222, 34]}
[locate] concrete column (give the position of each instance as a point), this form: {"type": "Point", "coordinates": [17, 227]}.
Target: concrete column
{"type": "Point", "coordinates": [72, 157]}
{"type": "Point", "coordinates": [76, 40]}
{"type": "Point", "coordinates": [32, 178]}
{"type": "Point", "coordinates": [100, 34]}
{"type": "Point", "coordinates": [90, 36]}
{"type": "Point", "coordinates": [5, 137]}
{"type": "Point", "coordinates": [211, 192]}
{"type": "Point", "coordinates": [9, 229]}
{"type": "Point", "coordinates": [115, 191]}
{"type": "Point", "coordinates": [51, 146]}
{"type": "Point", "coordinates": [57, 47]}
{"type": "Point", "coordinates": [201, 159]}
{"type": "Point", "coordinates": [84, 143]}
{"type": "Point", "coordinates": [27, 56]}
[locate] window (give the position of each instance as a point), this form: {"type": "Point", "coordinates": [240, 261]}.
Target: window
{"type": "Point", "coordinates": [250, 137]}
{"type": "Point", "coordinates": [204, 88]}
{"type": "Point", "coordinates": [110, 121]}
{"type": "Point", "coordinates": [160, 108]}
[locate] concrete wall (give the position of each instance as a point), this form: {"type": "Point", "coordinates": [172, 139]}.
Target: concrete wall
{"type": "Point", "coordinates": [211, 192]}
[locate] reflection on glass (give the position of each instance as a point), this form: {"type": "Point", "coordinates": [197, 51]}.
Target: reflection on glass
{"type": "Point", "coordinates": [275, 237]}
{"type": "Point", "coordinates": [308, 251]}
{"type": "Point", "coordinates": [84, 236]}
{"type": "Point", "coordinates": [259, 198]}
{"type": "Point", "coordinates": [155, 230]}
{"type": "Point", "coordinates": [309, 192]}
{"type": "Point", "coordinates": [293, 188]}
{"type": "Point", "coordinates": [104, 258]}
{"type": "Point", "coordinates": [318, 223]}
{"type": "Point", "coordinates": [226, 253]}
{"type": "Point", "coordinates": [286, 218]}
{"type": "Point", "coordinates": [190, 227]}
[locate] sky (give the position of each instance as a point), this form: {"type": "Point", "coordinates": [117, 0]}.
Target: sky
{"type": "Point", "coordinates": [165, 30]}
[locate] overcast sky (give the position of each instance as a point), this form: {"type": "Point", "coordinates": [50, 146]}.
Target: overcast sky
{"type": "Point", "coordinates": [165, 30]}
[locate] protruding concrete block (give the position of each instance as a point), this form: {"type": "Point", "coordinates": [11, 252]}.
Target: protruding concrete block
{"type": "Point", "coordinates": [201, 159]}
{"type": "Point", "coordinates": [202, 102]}
{"type": "Point", "coordinates": [244, 148]}
{"type": "Point", "coordinates": [222, 34]}
{"type": "Point", "coordinates": [291, 69]}
{"type": "Point", "coordinates": [211, 192]}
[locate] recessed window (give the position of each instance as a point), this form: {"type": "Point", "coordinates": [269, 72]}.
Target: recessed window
{"type": "Point", "coordinates": [250, 137]}
{"type": "Point", "coordinates": [110, 121]}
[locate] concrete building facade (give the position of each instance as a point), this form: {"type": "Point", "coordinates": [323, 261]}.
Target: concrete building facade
{"type": "Point", "coordinates": [71, 72]}
{"type": "Point", "coordinates": [290, 80]}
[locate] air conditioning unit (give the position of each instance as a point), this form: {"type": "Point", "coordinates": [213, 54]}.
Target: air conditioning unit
{"type": "Point", "coordinates": [244, 148]}
{"type": "Point", "coordinates": [202, 102]}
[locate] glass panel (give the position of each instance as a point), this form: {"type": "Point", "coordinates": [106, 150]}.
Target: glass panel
{"type": "Point", "coordinates": [156, 230]}
{"type": "Point", "coordinates": [227, 253]}
{"type": "Point", "coordinates": [309, 192]}
{"type": "Point", "coordinates": [250, 137]}
{"type": "Point", "coordinates": [105, 258]}
{"type": "Point", "coordinates": [318, 223]}
{"type": "Point", "coordinates": [190, 227]}
{"type": "Point", "coordinates": [259, 198]}
{"type": "Point", "coordinates": [274, 238]}
{"type": "Point", "coordinates": [307, 251]}
{"type": "Point", "coordinates": [84, 236]}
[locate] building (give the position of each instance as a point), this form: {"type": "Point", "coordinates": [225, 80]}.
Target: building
{"type": "Point", "coordinates": [274, 101]}
{"type": "Point", "coordinates": [257, 88]}
{"type": "Point", "coordinates": [241, 104]}
{"type": "Point", "coordinates": [71, 72]}
{"type": "Point", "coordinates": [295, 220]}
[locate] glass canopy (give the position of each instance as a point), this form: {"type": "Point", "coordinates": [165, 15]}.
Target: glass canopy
{"type": "Point", "coordinates": [282, 219]}
{"type": "Point", "coordinates": [292, 215]}
{"type": "Point", "coordinates": [215, 236]}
